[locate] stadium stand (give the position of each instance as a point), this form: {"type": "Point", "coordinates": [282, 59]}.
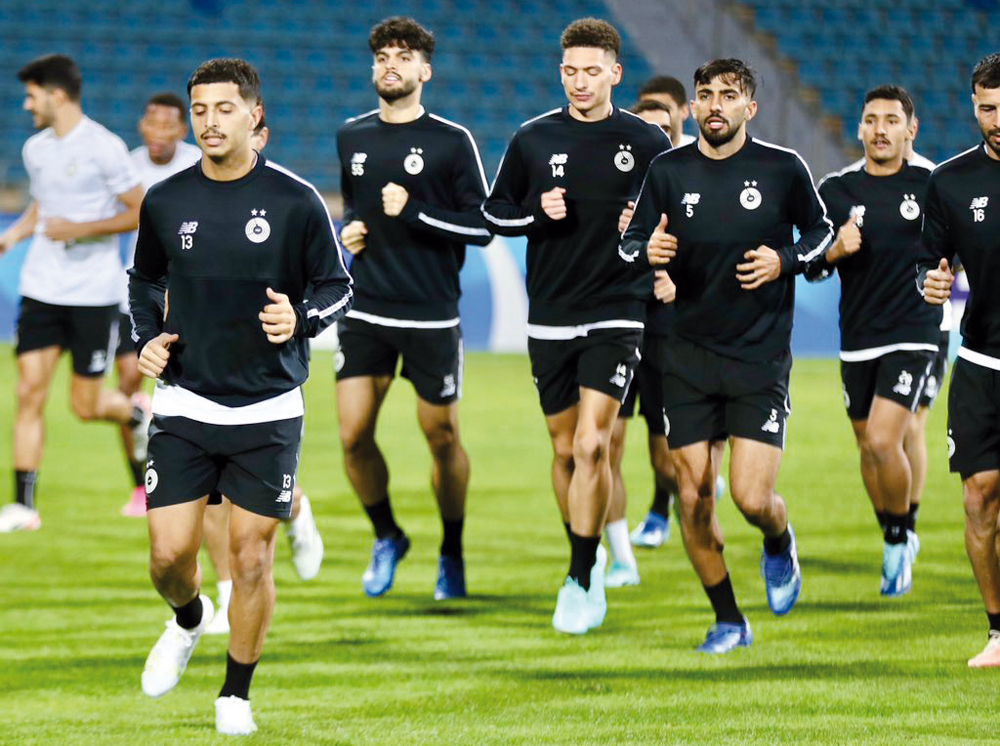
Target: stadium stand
{"type": "Point", "coordinates": [928, 46]}
{"type": "Point", "coordinates": [496, 64]}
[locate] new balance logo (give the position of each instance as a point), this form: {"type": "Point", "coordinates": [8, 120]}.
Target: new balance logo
{"type": "Point", "coordinates": [558, 163]}
{"type": "Point", "coordinates": [772, 425]}
{"type": "Point", "coordinates": [449, 387]}
{"type": "Point", "coordinates": [620, 378]}
{"type": "Point", "coordinates": [188, 228]}
{"type": "Point", "coordinates": [905, 384]}
{"type": "Point", "coordinates": [358, 164]}
{"type": "Point", "coordinates": [978, 207]}
{"type": "Point", "coordinates": [689, 200]}
{"type": "Point", "coordinates": [285, 496]}
{"type": "Point", "coordinates": [858, 213]}
{"type": "Point", "coordinates": [98, 361]}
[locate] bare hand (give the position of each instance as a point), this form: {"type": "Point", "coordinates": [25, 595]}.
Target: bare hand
{"type": "Point", "coordinates": [553, 203]}
{"type": "Point", "coordinates": [353, 235]}
{"type": "Point", "coordinates": [154, 356]}
{"type": "Point", "coordinates": [764, 266]}
{"type": "Point", "coordinates": [6, 241]}
{"type": "Point", "coordinates": [937, 284]}
{"type": "Point", "coordinates": [626, 217]}
{"type": "Point", "coordinates": [394, 199]}
{"type": "Point", "coordinates": [664, 289]}
{"type": "Point", "coordinates": [662, 246]}
{"type": "Point", "coordinates": [60, 229]}
{"type": "Point", "coordinates": [278, 318]}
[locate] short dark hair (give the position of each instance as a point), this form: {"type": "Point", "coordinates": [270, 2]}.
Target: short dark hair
{"type": "Point", "coordinates": [402, 32]}
{"type": "Point", "coordinates": [987, 72]}
{"type": "Point", "coordinates": [666, 85]}
{"type": "Point", "coordinates": [168, 99]}
{"type": "Point", "coordinates": [729, 69]}
{"type": "Point", "coordinates": [649, 105]}
{"type": "Point", "coordinates": [228, 70]}
{"type": "Point", "coordinates": [892, 93]}
{"type": "Point", "coordinates": [592, 32]}
{"type": "Point", "coordinates": [54, 71]}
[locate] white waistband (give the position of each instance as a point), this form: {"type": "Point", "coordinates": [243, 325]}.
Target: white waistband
{"type": "Point", "coordinates": [173, 401]}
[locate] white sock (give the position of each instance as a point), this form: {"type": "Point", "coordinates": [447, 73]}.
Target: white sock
{"type": "Point", "coordinates": [225, 591]}
{"type": "Point", "coordinates": [621, 547]}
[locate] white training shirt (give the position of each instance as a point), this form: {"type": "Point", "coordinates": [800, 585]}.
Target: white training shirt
{"type": "Point", "coordinates": [151, 173]}
{"type": "Point", "coordinates": [77, 177]}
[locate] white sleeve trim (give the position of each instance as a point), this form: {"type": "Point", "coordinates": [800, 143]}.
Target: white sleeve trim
{"type": "Point", "coordinates": [460, 229]}
{"type": "Point", "coordinates": [512, 223]}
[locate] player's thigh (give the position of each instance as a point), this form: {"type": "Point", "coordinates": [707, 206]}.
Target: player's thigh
{"type": "Point", "coordinates": [181, 466]}
{"type": "Point", "coordinates": [84, 393]}
{"type": "Point", "coordinates": [753, 469]}
{"type": "Point", "coordinates": [175, 531]}
{"type": "Point", "coordinates": [694, 469]}
{"type": "Point", "coordinates": [608, 361]}
{"type": "Point", "coordinates": [888, 421]}
{"type": "Point", "coordinates": [562, 429]}
{"type": "Point", "coordinates": [857, 381]}
{"type": "Point", "coordinates": [359, 400]}
{"type": "Point", "coordinates": [439, 423]}
{"type": "Point", "coordinates": [902, 376]}
{"type": "Point", "coordinates": [251, 539]}
{"type": "Point", "coordinates": [94, 339]}
{"type": "Point", "coordinates": [433, 361]}
{"type": "Point", "coordinates": [35, 370]}
{"type": "Point", "coordinates": [554, 370]}
{"type": "Point", "coordinates": [259, 464]}
{"type": "Point", "coordinates": [973, 419]}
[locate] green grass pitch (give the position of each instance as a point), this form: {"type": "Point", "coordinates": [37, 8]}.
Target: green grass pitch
{"type": "Point", "coordinates": [78, 613]}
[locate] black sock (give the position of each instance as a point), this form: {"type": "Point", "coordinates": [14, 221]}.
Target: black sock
{"type": "Point", "coordinates": [138, 471]}
{"type": "Point", "coordinates": [911, 519]}
{"type": "Point", "coordinates": [895, 528]}
{"type": "Point", "coordinates": [583, 555]}
{"type": "Point", "coordinates": [189, 615]}
{"type": "Point", "coordinates": [381, 517]}
{"type": "Point", "coordinates": [994, 621]}
{"type": "Point", "coordinates": [778, 544]}
{"type": "Point", "coordinates": [24, 487]}
{"type": "Point", "coordinates": [882, 517]}
{"type": "Point", "coordinates": [451, 543]}
{"type": "Point", "coordinates": [661, 503]}
{"type": "Point", "coordinates": [724, 602]}
{"type": "Point", "coordinates": [238, 678]}
{"type": "Point", "coordinates": [569, 533]}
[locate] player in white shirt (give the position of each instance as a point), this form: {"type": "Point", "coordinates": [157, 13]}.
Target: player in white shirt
{"type": "Point", "coordinates": [163, 153]}
{"type": "Point", "coordinates": [83, 190]}
{"type": "Point", "coordinates": [670, 92]}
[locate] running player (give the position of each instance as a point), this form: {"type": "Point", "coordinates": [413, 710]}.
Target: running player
{"type": "Point", "coordinates": [84, 190]}
{"type": "Point", "coordinates": [670, 92]}
{"type": "Point", "coordinates": [727, 372]}
{"type": "Point", "coordinates": [564, 181]}
{"type": "Point", "coordinates": [961, 222]}
{"type": "Point", "coordinates": [236, 242]}
{"type": "Point", "coordinates": [889, 337]}
{"type": "Point", "coordinates": [412, 184]}
{"type": "Point", "coordinates": [163, 153]}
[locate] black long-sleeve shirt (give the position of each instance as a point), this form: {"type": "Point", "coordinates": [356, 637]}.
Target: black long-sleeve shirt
{"type": "Point", "coordinates": [719, 210]}
{"type": "Point", "coordinates": [962, 219]}
{"type": "Point", "coordinates": [216, 246]}
{"type": "Point", "coordinates": [574, 276]}
{"type": "Point", "coordinates": [878, 309]}
{"type": "Point", "coordinates": [409, 267]}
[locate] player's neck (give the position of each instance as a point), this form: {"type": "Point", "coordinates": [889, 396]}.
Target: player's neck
{"type": "Point", "coordinates": [597, 114]}
{"type": "Point", "coordinates": [885, 168]}
{"type": "Point", "coordinates": [726, 149]}
{"type": "Point", "coordinates": [163, 160]}
{"type": "Point", "coordinates": [66, 119]}
{"type": "Point", "coordinates": [235, 167]}
{"type": "Point", "coordinates": [990, 152]}
{"type": "Point", "coordinates": [402, 110]}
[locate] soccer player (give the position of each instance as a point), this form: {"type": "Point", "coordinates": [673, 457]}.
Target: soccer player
{"type": "Point", "coordinates": [412, 184]}
{"type": "Point", "coordinates": [564, 181]}
{"type": "Point", "coordinates": [237, 242]}
{"type": "Point", "coordinates": [960, 221]}
{"type": "Point", "coordinates": [888, 336]}
{"type": "Point", "coordinates": [84, 190]}
{"type": "Point", "coordinates": [670, 92]}
{"type": "Point", "coordinates": [163, 153]}
{"type": "Point", "coordinates": [720, 214]}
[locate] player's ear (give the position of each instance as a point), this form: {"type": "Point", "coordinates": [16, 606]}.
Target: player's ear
{"type": "Point", "coordinates": [616, 73]}
{"type": "Point", "coordinates": [751, 110]}
{"type": "Point", "coordinates": [426, 73]}
{"type": "Point", "coordinates": [256, 114]}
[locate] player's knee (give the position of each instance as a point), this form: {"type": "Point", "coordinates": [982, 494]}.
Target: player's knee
{"type": "Point", "coordinates": [589, 448]}
{"type": "Point", "coordinates": [355, 440]}
{"type": "Point", "coordinates": [84, 409]}
{"type": "Point", "coordinates": [442, 439]}
{"type": "Point", "coordinates": [880, 447]}
{"type": "Point", "coordinates": [30, 395]}
{"type": "Point", "coordinates": [752, 500]}
{"type": "Point", "coordinates": [981, 499]}
{"type": "Point", "coordinates": [129, 381]}
{"type": "Point", "coordinates": [248, 560]}
{"type": "Point", "coordinates": [164, 560]}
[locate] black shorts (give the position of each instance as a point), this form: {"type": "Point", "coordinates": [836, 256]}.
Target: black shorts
{"type": "Point", "coordinates": [125, 344]}
{"type": "Point", "coordinates": [973, 418]}
{"type": "Point", "coordinates": [253, 465]}
{"type": "Point", "coordinates": [88, 332]}
{"type": "Point", "coordinates": [604, 360]}
{"type": "Point", "coordinates": [647, 386]}
{"type": "Point", "coordinates": [432, 358]}
{"type": "Point", "coordinates": [897, 376]}
{"type": "Point", "coordinates": [939, 369]}
{"type": "Point", "coordinates": [708, 397]}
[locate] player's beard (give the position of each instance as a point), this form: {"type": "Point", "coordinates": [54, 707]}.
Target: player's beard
{"type": "Point", "coordinates": [715, 139]}
{"type": "Point", "coordinates": [988, 136]}
{"type": "Point", "coordinates": [394, 94]}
